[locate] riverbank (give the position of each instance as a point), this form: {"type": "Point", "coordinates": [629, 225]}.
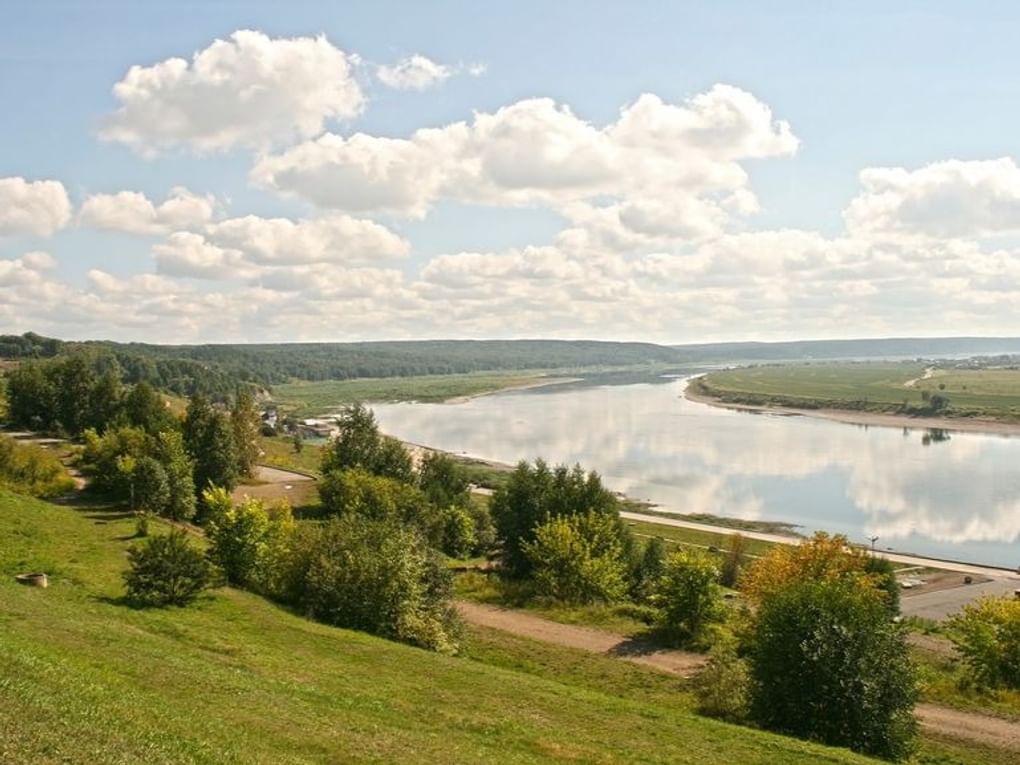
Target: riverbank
{"type": "Point", "coordinates": [868, 419]}
{"type": "Point", "coordinates": [525, 385]}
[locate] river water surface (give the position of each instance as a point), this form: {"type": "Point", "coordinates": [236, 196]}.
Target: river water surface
{"type": "Point", "coordinates": [948, 495]}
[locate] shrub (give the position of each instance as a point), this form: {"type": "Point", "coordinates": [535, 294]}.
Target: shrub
{"type": "Point", "coordinates": [377, 576]}
{"type": "Point", "coordinates": [357, 492]}
{"type": "Point", "coordinates": [166, 571]}
{"type": "Point", "coordinates": [987, 633]}
{"type": "Point", "coordinates": [688, 596]}
{"type": "Point", "coordinates": [829, 664]}
{"type": "Point", "coordinates": [30, 469]}
{"type": "Point", "coordinates": [578, 559]}
{"type": "Point", "coordinates": [733, 561]}
{"type": "Point", "coordinates": [248, 541]}
{"type": "Point", "coordinates": [649, 568]}
{"type": "Point", "coordinates": [151, 488]}
{"type": "Point", "coordinates": [109, 460]}
{"type": "Point", "coordinates": [721, 689]}
{"type": "Point", "coordinates": [459, 539]}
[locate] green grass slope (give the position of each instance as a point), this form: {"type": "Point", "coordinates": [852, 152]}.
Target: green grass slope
{"type": "Point", "coordinates": [86, 679]}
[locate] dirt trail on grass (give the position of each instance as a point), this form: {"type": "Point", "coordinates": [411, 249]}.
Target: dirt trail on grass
{"type": "Point", "coordinates": [583, 638]}
{"type": "Point", "coordinates": [995, 732]}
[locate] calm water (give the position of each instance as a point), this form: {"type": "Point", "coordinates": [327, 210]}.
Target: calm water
{"type": "Point", "coordinates": [955, 498]}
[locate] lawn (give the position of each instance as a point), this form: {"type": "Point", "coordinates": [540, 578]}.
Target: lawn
{"type": "Point", "coordinates": [84, 679]}
{"type": "Point", "coordinates": [873, 386]}
{"type": "Point", "coordinates": [303, 399]}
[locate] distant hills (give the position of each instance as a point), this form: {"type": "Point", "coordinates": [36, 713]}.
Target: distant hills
{"type": "Point", "coordinates": [216, 368]}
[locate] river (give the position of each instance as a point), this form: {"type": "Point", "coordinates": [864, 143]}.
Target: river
{"type": "Point", "coordinates": [946, 495]}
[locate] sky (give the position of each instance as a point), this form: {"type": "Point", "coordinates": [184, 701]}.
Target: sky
{"type": "Point", "coordinates": [658, 171]}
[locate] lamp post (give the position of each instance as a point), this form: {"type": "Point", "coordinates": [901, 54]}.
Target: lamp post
{"type": "Point", "coordinates": [873, 540]}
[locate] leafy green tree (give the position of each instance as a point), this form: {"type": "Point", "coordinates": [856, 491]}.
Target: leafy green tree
{"type": "Point", "coordinates": [377, 576]}
{"type": "Point", "coordinates": [109, 460]}
{"type": "Point", "coordinates": [144, 408]}
{"type": "Point", "coordinates": [442, 480]}
{"type": "Point", "coordinates": [30, 469]}
{"type": "Point", "coordinates": [578, 558]}
{"type": "Point", "coordinates": [166, 571]}
{"type": "Point", "coordinates": [987, 634]}
{"type": "Point", "coordinates": [179, 469]}
{"type": "Point", "coordinates": [733, 560]}
{"type": "Point", "coordinates": [534, 494]}
{"type": "Point", "coordinates": [31, 399]}
{"type": "Point", "coordinates": [105, 401]}
{"type": "Point", "coordinates": [359, 493]}
{"type": "Point", "coordinates": [247, 425]}
{"type": "Point", "coordinates": [649, 568]}
{"type": "Point", "coordinates": [829, 664]}
{"type": "Point", "coordinates": [359, 444]}
{"type": "Point", "coordinates": [248, 541]}
{"type": "Point", "coordinates": [688, 596]}
{"type": "Point", "coordinates": [73, 382]}
{"type": "Point", "coordinates": [151, 488]}
{"type": "Point", "coordinates": [209, 439]}
{"type": "Point", "coordinates": [459, 539]}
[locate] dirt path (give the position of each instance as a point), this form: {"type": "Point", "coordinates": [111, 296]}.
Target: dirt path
{"type": "Point", "coordinates": [583, 638]}
{"type": "Point", "coordinates": [944, 722]}
{"type": "Point", "coordinates": [980, 729]}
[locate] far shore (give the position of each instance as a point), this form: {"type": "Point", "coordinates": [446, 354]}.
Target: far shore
{"type": "Point", "coordinates": [539, 383]}
{"type": "Point", "coordinates": [877, 419]}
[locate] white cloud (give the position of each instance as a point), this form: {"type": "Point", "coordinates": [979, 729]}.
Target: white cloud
{"type": "Point", "coordinates": [249, 91]}
{"type": "Point", "coordinates": [246, 247]}
{"type": "Point", "coordinates": [415, 72]}
{"type": "Point", "coordinates": [671, 169]}
{"type": "Point", "coordinates": [32, 207]}
{"type": "Point", "coordinates": [942, 200]}
{"type": "Point", "coordinates": [134, 213]}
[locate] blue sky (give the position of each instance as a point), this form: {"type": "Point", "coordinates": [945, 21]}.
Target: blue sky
{"type": "Point", "coordinates": [660, 244]}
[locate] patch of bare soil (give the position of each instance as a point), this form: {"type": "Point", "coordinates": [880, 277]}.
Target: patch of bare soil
{"type": "Point", "coordinates": [995, 732]}
{"type": "Point", "coordinates": [942, 580]}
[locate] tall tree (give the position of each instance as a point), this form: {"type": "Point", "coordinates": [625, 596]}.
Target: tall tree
{"type": "Point", "coordinates": [180, 476]}
{"type": "Point", "coordinates": [30, 396]}
{"type": "Point", "coordinates": [146, 409]}
{"type": "Point", "coordinates": [359, 444]}
{"type": "Point", "coordinates": [105, 400]}
{"type": "Point", "coordinates": [73, 381]}
{"type": "Point", "coordinates": [247, 425]}
{"type": "Point", "coordinates": [209, 439]}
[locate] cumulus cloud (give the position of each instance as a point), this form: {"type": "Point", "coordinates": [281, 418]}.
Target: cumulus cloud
{"type": "Point", "coordinates": [415, 72]}
{"type": "Point", "coordinates": [134, 213]}
{"type": "Point", "coordinates": [245, 247]}
{"type": "Point", "coordinates": [249, 91]}
{"type": "Point", "coordinates": [946, 199]}
{"type": "Point", "coordinates": [672, 168]}
{"type": "Point", "coordinates": [32, 207]}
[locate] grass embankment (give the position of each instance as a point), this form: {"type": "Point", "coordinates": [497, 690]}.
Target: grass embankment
{"type": "Point", "coordinates": [84, 678]}
{"type": "Point", "coordinates": [891, 387]}
{"type": "Point", "coordinates": [302, 399]}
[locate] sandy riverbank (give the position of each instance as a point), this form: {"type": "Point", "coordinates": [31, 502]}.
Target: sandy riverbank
{"type": "Point", "coordinates": [540, 383]}
{"type": "Point", "coordinates": [877, 419]}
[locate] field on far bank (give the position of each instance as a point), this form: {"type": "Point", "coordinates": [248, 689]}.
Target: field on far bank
{"type": "Point", "coordinates": [303, 399]}
{"type": "Point", "coordinates": [870, 386]}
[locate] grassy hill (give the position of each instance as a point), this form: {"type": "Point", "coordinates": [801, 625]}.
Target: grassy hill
{"type": "Point", "coordinates": [84, 678]}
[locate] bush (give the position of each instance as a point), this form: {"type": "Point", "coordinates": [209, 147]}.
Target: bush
{"type": "Point", "coordinates": [733, 561]}
{"type": "Point", "coordinates": [649, 568]}
{"type": "Point", "coordinates": [249, 542]}
{"type": "Point", "coordinates": [459, 539]}
{"type": "Point", "coordinates": [166, 571]}
{"type": "Point", "coordinates": [688, 596]}
{"type": "Point", "coordinates": [30, 469]}
{"type": "Point", "coordinates": [829, 664]}
{"type": "Point", "coordinates": [578, 559]}
{"type": "Point", "coordinates": [721, 689]}
{"type": "Point", "coordinates": [987, 633]}
{"type": "Point", "coordinates": [377, 576]}
{"type": "Point", "coordinates": [151, 487]}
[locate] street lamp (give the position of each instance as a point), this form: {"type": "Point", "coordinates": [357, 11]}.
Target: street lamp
{"type": "Point", "coordinates": [873, 540]}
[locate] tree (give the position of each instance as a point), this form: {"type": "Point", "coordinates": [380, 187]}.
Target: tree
{"type": "Point", "coordinates": [209, 439]}
{"type": "Point", "coordinates": [459, 539]}
{"type": "Point", "coordinates": [166, 571]}
{"type": "Point", "coordinates": [821, 558]}
{"type": "Point", "coordinates": [73, 381]}
{"type": "Point", "coordinates": [987, 634]}
{"type": "Point", "coordinates": [358, 493]}
{"type": "Point", "coordinates": [105, 401]}
{"type": "Point", "coordinates": [733, 561]}
{"type": "Point", "coordinates": [687, 596]}
{"type": "Point", "coordinates": [109, 460]}
{"type": "Point", "coordinates": [248, 541]}
{"type": "Point", "coordinates": [442, 480]}
{"type": "Point", "coordinates": [359, 444]}
{"type": "Point", "coordinates": [649, 568]}
{"type": "Point", "coordinates": [247, 425]}
{"type": "Point", "coordinates": [179, 469]}
{"type": "Point", "coordinates": [829, 664]}
{"type": "Point", "coordinates": [30, 397]}
{"type": "Point", "coordinates": [578, 558]}
{"type": "Point", "coordinates": [151, 488]}
{"type": "Point", "coordinates": [534, 494]}
{"type": "Point", "coordinates": [377, 576]}
{"type": "Point", "coordinates": [144, 408]}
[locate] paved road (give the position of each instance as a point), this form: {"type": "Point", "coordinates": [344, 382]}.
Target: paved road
{"type": "Point", "coordinates": [910, 560]}
{"type": "Point", "coordinates": [941, 604]}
